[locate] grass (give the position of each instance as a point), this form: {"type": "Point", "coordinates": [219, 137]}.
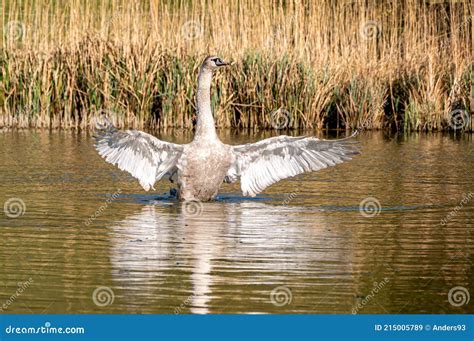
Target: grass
{"type": "Point", "coordinates": [403, 65]}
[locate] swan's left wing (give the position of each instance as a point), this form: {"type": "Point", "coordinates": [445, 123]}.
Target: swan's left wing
{"type": "Point", "coordinates": [261, 164]}
{"type": "Point", "coordinates": [142, 155]}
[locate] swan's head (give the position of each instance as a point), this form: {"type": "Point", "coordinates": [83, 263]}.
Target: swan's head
{"type": "Point", "coordinates": [212, 63]}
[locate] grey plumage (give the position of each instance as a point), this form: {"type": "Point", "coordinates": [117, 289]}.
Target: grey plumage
{"type": "Point", "coordinates": [206, 162]}
{"type": "Point", "coordinates": [261, 164]}
{"type": "Point", "coordinates": [142, 155]}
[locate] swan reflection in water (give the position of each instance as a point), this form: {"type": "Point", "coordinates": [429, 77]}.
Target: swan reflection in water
{"type": "Point", "coordinates": [177, 258]}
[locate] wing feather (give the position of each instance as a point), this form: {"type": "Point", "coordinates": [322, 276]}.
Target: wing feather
{"type": "Point", "coordinates": [261, 164]}
{"type": "Point", "coordinates": [142, 155]}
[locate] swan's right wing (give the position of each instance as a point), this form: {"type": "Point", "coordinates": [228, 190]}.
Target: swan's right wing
{"type": "Point", "coordinates": [261, 164]}
{"type": "Point", "coordinates": [142, 155]}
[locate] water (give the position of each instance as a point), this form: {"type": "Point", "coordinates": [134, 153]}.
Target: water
{"type": "Point", "coordinates": [89, 240]}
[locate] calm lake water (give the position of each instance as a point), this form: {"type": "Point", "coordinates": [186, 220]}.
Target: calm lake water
{"type": "Point", "coordinates": [389, 232]}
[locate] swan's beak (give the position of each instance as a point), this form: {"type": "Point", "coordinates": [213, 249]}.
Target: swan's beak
{"type": "Point", "coordinates": [224, 63]}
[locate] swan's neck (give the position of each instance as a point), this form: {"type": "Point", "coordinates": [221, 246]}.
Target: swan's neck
{"type": "Point", "coordinates": [205, 128]}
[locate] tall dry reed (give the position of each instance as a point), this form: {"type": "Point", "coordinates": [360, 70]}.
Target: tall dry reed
{"type": "Point", "coordinates": [326, 64]}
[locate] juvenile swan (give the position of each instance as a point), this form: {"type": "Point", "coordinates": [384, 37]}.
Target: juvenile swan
{"type": "Point", "coordinates": [205, 163]}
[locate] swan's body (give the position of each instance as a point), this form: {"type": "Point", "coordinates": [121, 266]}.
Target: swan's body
{"type": "Point", "coordinates": [204, 164]}
{"type": "Point", "coordinates": [203, 169]}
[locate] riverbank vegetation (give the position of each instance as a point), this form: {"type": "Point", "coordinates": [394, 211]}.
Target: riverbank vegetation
{"type": "Point", "coordinates": [401, 65]}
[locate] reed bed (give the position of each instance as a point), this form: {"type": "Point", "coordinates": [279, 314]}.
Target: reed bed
{"type": "Point", "coordinates": [372, 64]}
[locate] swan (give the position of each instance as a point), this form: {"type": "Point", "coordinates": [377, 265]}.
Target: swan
{"type": "Point", "coordinates": [204, 164]}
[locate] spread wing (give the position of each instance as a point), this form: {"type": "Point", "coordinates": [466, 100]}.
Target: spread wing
{"type": "Point", "coordinates": [261, 164]}
{"type": "Point", "coordinates": [142, 155]}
